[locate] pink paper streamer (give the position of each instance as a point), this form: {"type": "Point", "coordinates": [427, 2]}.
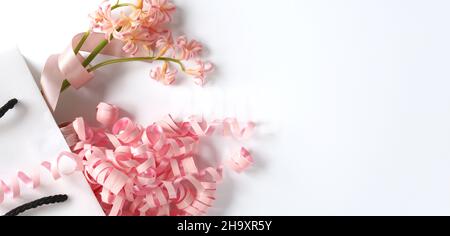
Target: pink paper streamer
{"type": "Point", "coordinates": [148, 171]}
{"type": "Point", "coordinates": [32, 179]}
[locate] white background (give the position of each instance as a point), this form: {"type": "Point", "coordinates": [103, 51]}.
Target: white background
{"type": "Point", "coordinates": [351, 96]}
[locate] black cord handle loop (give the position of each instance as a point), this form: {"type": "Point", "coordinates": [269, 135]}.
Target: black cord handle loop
{"type": "Point", "coordinates": [8, 106]}
{"type": "Point", "coordinates": [35, 204]}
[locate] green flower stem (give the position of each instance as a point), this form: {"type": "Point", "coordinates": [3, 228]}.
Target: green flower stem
{"type": "Point", "coordinates": [95, 52]}
{"type": "Point", "coordinates": [82, 41]}
{"type": "Point", "coordinates": [77, 49]}
{"type": "Point", "coordinates": [131, 59]}
{"type": "Point", "coordinates": [88, 60]}
{"type": "Point", "coordinates": [66, 84]}
{"type": "Point", "coordinates": [118, 5]}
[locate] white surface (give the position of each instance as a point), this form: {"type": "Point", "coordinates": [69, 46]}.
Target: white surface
{"type": "Point", "coordinates": [351, 97]}
{"type": "Point", "coordinates": [29, 136]}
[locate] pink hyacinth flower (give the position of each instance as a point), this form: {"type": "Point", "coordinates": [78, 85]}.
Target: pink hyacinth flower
{"type": "Point", "coordinates": [129, 22]}
{"type": "Point", "coordinates": [102, 21]}
{"type": "Point", "coordinates": [164, 74]}
{"type": "Point", "coordinates": [200, 72]}
{"type": "Point", "coordinates": [161, 9]}
{"type": "Point", "coordinates": [188, 49]}
{"type": "Point", "coordinates": [164, 43]}
{"type": "Point", "coordinates": [133, 39]}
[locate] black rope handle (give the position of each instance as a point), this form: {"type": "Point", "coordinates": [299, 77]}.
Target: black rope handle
{"type": "Point", "coordinates": [8, 106]}
{"type": "Point", "coordinates": [35, 204]}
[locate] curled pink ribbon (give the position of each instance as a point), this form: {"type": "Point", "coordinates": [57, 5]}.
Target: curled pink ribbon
{"type": "Point", "coordinates": [69, 66]}
{"type": "Point", "coordinates": [148, 171]}
{"type": "Point", "coordinates": [152, 171]}
{"type": "Point", "coordinates": [32, 179]}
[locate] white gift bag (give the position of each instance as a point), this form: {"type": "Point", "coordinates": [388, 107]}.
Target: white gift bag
{"type": "Point", "coordinates": [29, 136]}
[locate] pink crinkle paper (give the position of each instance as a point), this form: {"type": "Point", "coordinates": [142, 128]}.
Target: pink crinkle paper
{"type": "Point", "coordinates": [152, 171]}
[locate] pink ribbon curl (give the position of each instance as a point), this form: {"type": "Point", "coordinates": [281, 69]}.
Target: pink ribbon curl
{"type": "Point", "coordinates": [32, 179]}
{"type": "Point", "coordinates": [147, 171]}
{"type": "Point", "coordinates": [68, 65]}
{"type": "Point", "coordinates": [152, 171]}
